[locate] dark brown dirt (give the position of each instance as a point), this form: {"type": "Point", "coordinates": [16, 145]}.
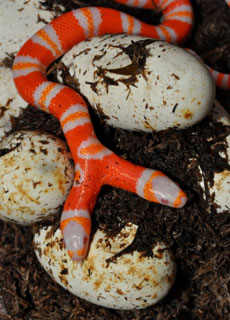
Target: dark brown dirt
{"type": "Point", "coordinates": [200, 240]}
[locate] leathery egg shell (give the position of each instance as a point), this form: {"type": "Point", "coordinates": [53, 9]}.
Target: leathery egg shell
{"type": "Point", "coordinates": [137, 83]}
{"type": "Point", "coordinates": [218, 190]}
{"type": "Point", "coordinates": [129, 281]}
{"type": "Point", "coordinates": [36, 176]}
{"type": "Point", "coordinates": [19, 19]}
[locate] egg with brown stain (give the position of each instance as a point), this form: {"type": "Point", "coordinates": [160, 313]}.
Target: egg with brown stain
{"type": "Point", "coordinates": [138, 83]}
{"type": "Point", "coordinates": [107, 277]}
{"type": "Point", "coordinates": [219, 188]}
{"type": "Point", "coordinates": [19, 19]}
{"type": "Point", "coordinates": [36, 176]}
{"type": "Point", "coordinates": [215, 187]}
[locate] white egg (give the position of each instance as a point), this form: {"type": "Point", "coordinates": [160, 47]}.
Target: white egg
{"type": "Point", "coordinates": [138, 83]}
{"type": "Point", "coordinates": [128, 281]}
{"type": "Point", "coordinates": [219, 114]}
{"type": "Point", "coordinates": [19, 19]}
{"type": "Point", "coordinates": [217, 190]}
{"type": "Point", "coordinates": [36, 176]}
{"type": "Point", "coordinates": [220, 190]}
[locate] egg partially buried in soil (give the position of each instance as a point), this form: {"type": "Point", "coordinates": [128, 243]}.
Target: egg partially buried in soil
{"type": "Point", "coordinates": [215, 190]}
{"type": "Point", "coordinates": [18, 20]}
{"type": "Point", "coordinates": [129, 281]}
{"type": "Point", "coordinates": [36, 176]}
{"type": "Point", "coordinates": [219, 189]}
{"type": "Point", "coordinates": [138, 83]}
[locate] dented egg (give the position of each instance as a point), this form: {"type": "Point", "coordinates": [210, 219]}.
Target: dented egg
{"type": "Point", "coordinates": [137, 83]}
{"type": "Point", "coordinates": [108, 277]}
{"type": "Point", "coordinates": [36, 176]}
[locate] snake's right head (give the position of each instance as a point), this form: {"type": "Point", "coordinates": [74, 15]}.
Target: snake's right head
{"type": "Point", "coordinates": [156, 187]}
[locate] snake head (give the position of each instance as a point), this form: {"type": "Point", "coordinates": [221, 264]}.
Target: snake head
{"type": "Point", "coordinates": [156, 187]}
{"type": "Point", "coordinates": [76, 227]}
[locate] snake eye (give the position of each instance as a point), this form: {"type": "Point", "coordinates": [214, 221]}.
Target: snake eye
{"type": "Point", "coordinates": [85, 240]}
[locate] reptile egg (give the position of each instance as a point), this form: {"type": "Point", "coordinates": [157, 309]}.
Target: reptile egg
{"type": "Point", "coordinates": [216, 191]}
{"type": "Point", "coordinates": [219, 189]}
{"type": "Point", "coordinates": [18, 20]}
{"type": "Point", "coordinates": [36, 176]}
{"type": "Point", "coordinates": [219, 114]}
{"type": "Point", "coordinates": [126, 281]}
{"type": "Point", "coordinates": [138, 83]}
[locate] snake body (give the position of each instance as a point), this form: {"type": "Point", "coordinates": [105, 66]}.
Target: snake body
{"type": "Point", "coordinates": [95, 165]}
